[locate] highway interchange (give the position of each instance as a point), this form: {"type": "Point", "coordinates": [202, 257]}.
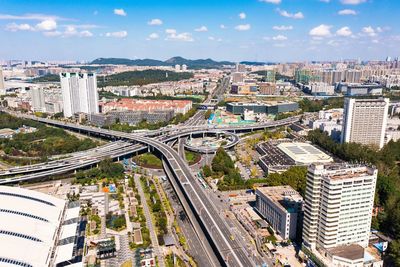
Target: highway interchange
{"type": "Point", "coordinates": [230, 252]}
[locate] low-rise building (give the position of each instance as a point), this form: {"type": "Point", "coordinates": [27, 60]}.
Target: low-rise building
{"type": "Point", "coordinates": [272, 108]}
{"type": "Point", "coordinates": [281, 208]}
{"type": "Point", "coordinates": [279, 155]}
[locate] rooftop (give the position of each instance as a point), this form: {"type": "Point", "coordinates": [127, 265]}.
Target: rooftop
{"type": "Point", "coordinates": [351, 252]}
{"type": "Point", "coordinates": [29, 223]}
{"type": "Point", "coordinates": [304, 153]}
{"type": "Point", "coordinates": [342, 171]}
{"type": "Point", "coordinates": [284, 195]}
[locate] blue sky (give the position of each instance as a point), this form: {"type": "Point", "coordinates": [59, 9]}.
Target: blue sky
{"type": "Point", "coordinates": [261, 30]}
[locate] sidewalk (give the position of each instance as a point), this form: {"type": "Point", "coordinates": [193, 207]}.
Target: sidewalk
{"type": "Point", "coordinates": [154, 241]}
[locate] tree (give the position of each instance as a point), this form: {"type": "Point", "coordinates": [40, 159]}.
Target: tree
{"type": "Point", "coordinates": [207, 171]}
{"type": "Point", "coordinates": [393, 254]}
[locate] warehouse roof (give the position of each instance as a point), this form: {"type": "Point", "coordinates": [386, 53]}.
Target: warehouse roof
{"type": "Point", "coordinates": [29, 223]}
{"type": "Point", "coordinates": [304, 153]}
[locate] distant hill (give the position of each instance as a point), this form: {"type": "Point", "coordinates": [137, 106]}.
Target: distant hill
{"type": "Point", "coordinates": [194, 64]}
{"type": "Point", "coordinates": [130, 78]}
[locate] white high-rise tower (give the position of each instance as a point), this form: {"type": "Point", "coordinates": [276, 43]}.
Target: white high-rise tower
{"type": "Point", "coordinates": [365, 121]}
{"type": "Point", "coordinates": [79, 93]}
{"type": "Point", "coordinates": [38, 101]}
{"type": "Point", "coordinates": [338, 205]}
{"type": "Point", "coordinates": [2, 86]}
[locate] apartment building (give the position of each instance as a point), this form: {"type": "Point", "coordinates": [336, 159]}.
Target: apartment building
{"type": "Point", "coordinates": [365, 121]}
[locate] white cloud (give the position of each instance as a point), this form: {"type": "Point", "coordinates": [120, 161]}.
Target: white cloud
{"type": "Point", "coordinates": [325, 1]}
{"type": "Point", "coordinates": [201, 29]}
{"type": "Point", "coordinates": [282, 28]}
{"type": "Point", "coordinates": [375, 41]}
{"type": "Point", "coordinates": [279, 38]}
{"type": "Point", "coordinates": [153, 36]}
{"type": "Point", "coordinates": [52, 34]}
{"type": "Point", "coordinates": [120, 12]}
{"type": "Point", "coordinates": [271, 1]}
{"type": "Point", "coordinates": [30, 17]}
{"type": "Point", "coordinates": [174, 36]}
{"type": "Point", "coordinates": [155, 22]}
{"type": "Point", "coordinates": [243, 27]}
{"type": "Point", "coordinates": [369, 31]}
{"type": "Point", "coordinates": [353, 2]}
{"type": "Point", "coordinates": [379, 29]}
{"type": "Point", "coordinates": [85, 33]}
{"type": "Point", "coordinates": [321, 31]}
{"type": "Point", "coordinates": [47, 25]}
{"type": "Point", "coordinates": [212, 38]}
{"type": "Point", "coordinates": [82, 26]}
{"type": "Point", "coordinates": [347, 12]}
{"type": "Point", "coordinates": [222, 26]}
{"type": "Point", "coordinates": [13, 27]}
{"type": "Point", "coordinates": [119, 34]}
{"type": "Point", "coordinates": [170, 31]}
{"type": "Point", "coordinates": [242, 15]}
{"type": "Point", "coordinates": [333, 43]}
{"type": "Point", "coordinates": [284, 13]}
{"type": "Point", "coordinates": [71, 31]}
{"type": "Point", "coordinates": [344, 31]}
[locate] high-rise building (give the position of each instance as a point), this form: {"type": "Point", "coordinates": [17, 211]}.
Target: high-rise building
{"type": "Point", "coordinates": [177, 67]}
{"type": "Point", "coordinates": [79, 93]}
{"type": "Point", "coordinates": [353, 76]}
{"type": "Point", "coordinates": [2, 86]}
{"type": "Point", "coordinates": [365, 121]}
{"type": "Point", "coordinates": [38, 103]}
{"type": "Point", "coordinates": [240, 67]}
{"type": "Point", "coordinates": [338, 205]}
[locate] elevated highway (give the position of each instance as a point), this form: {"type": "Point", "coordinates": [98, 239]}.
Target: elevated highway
{"type": "Point", "coordinates": [229, 251]}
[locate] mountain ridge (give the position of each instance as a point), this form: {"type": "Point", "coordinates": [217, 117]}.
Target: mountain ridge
{"type": "Point", "coordinates": [191, 63]}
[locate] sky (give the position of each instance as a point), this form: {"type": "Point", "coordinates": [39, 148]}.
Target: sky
{"type": "Point", "coordinates": [236, 30]}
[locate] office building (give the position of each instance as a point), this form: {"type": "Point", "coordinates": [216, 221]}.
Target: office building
{"type": "Point", "coordinates": [319, 88]}
{"type": "Point", "coordinates": [2, 85]}
{"type": "Point", "coordinates": [79, 93]}
{"type": "Point", "coordinates": [237, 77]}
{"type": "Point", "coordinates": [280, 206]}
{"type": "Point", "coordinates": [131, 117]}
{"type": "Point", "coordinates": [338, 205]}
{"type": "Point", "coordinates": [128, 104]}
{"type": "Point", "coordinates": [267, 88]}
{"type": "Point", "coordinates": [38, 102]}
{"type": "Point", "coordinates": [277, 156]}
{"type": "Point", "coordinates": [365, 121]}
{"type": "Point", "coordinates": [39, 230]}
{"type": "Point", "coordinates": [272, 107]}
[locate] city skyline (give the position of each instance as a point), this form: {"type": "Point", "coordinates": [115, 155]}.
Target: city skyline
{"type": "Point", "coordinates": [256, 30]}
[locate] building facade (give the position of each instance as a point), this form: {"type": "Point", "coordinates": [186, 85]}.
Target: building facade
{"type": "Point", "coordinates": [365, 121]}
{"type": "Point", "coordinates": [38, 101]}
{"type": "Point", "coordinates": [79, 93]}
{"type": "Point", "coordinates": [338, 205]}
{"type": "Point", "coordinates": [281, 207]}
{"type": "Point", "coordinates": [2, 86]}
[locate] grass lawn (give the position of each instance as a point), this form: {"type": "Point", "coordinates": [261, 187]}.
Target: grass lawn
{"type": "Point", "coordinates": [192, 157]}
{"type": "Point", "coordinates": [148, 160]}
